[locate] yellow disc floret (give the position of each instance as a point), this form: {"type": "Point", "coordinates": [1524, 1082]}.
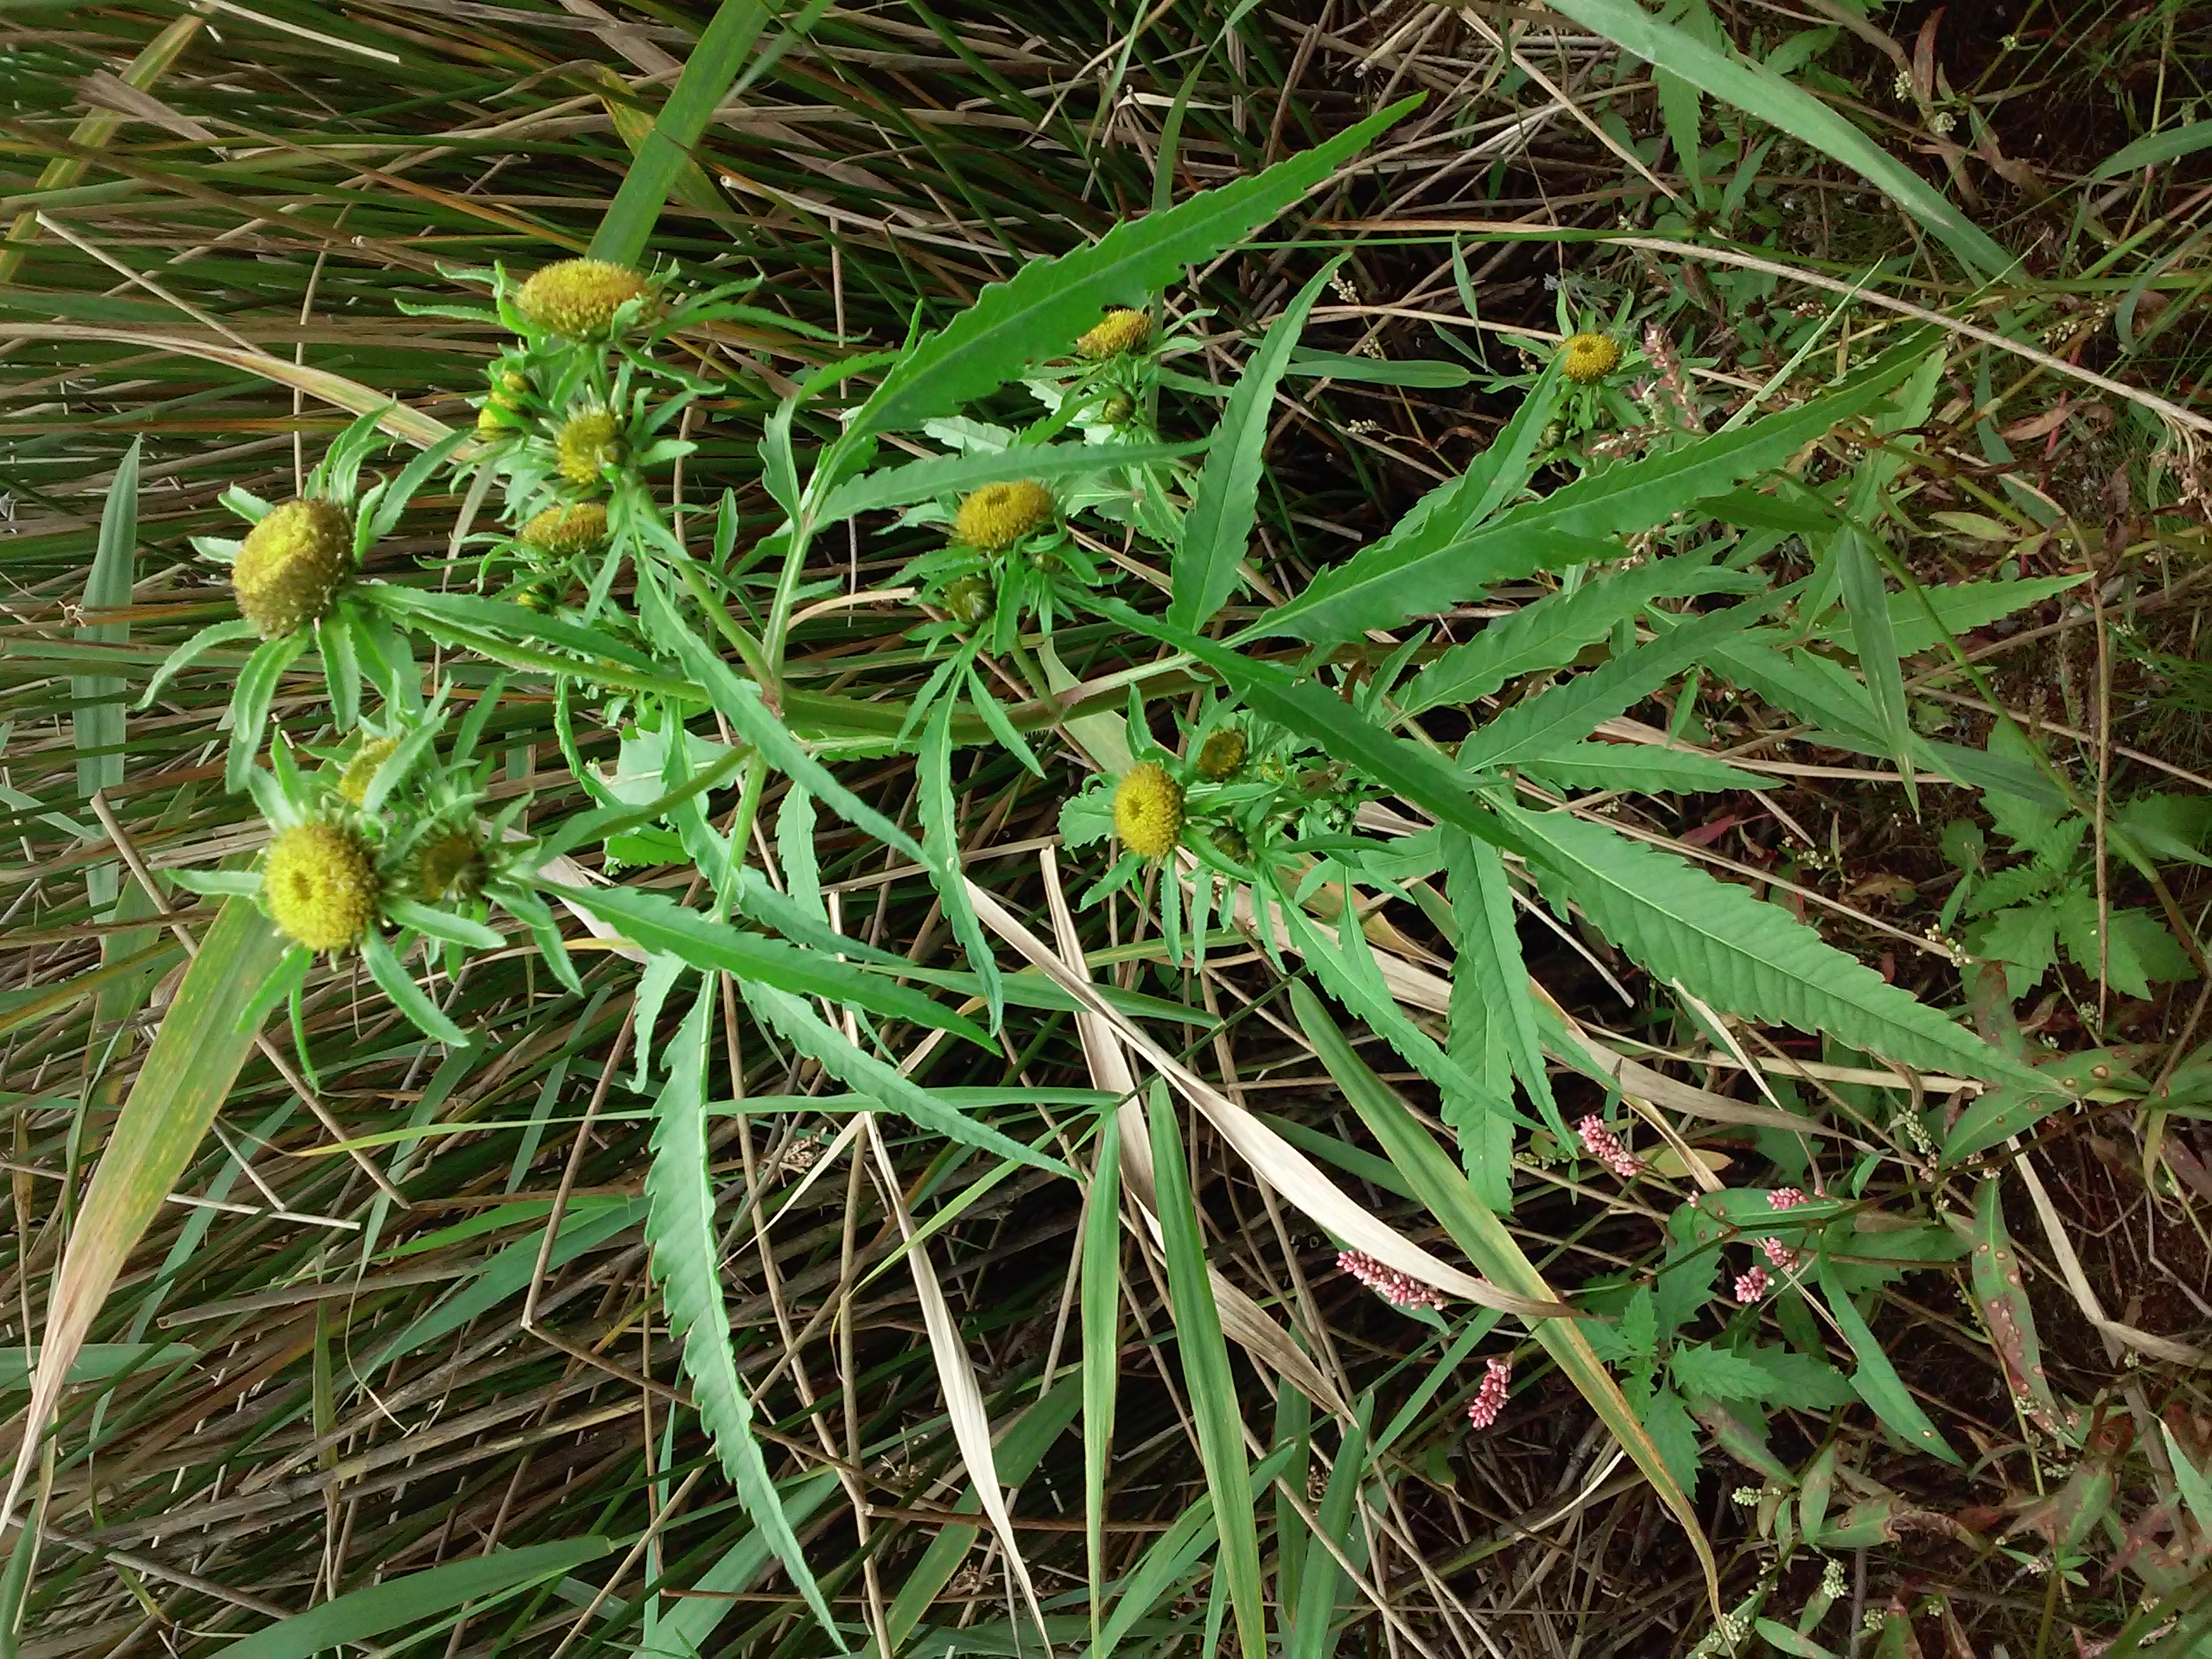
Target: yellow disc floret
{"type": "Point", "coordinates": [320, 886]}
{"type": "Point", "coordinates": [291, 565]}
{"type": "Point", "coordinates": [450, 865]}
{"type": "Point", "coordinates": [1221, 754]}
{"type": "Point", "coordinates": [1117, 332]}
{"type": "Point", "coordinates": [587, 443]}
{"type": "Point", "coordinates": [1148, 811]}
{"type": "Point", "coordinates": [578, 298]}
{"type": "Point", "coordinates": [997, 516]}
{"type": "Point", "coordinates": [566, 531]}
{"type": "Point", "coordinates": [353, 781]}
{"type": "Point", "coordinates": [1588, 358]}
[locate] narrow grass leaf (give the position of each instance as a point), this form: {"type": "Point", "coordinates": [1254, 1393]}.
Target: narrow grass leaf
{"type": "Point", "coordinates": [187, 1072]}
{"type": "Point", "coordinates": [1758, 91]}
{"type": "Point", "coordinates": [1102, 1346]}
{"type": "Point", "coordinates": [683, 1630]}
{"type": "Point", "coordinates": [359, 1615]}
{"type": "Point", "coordinates": [1876, 1379]}
{"type": "Point", "coordinates": [1494, 1250]}
{"type": "Point", "coordinates": [1864, 599]}
{"type": "Point", "coordinates": [96, 720]}
{"type": "Point", "coordinates": [935, 475]}
{"type": "Point", "coordinates": [1204, 1352]}
{"type": "Point", "coordinates": [665, 152]}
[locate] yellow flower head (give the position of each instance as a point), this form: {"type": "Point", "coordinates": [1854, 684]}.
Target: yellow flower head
{"type": "Point", "coordinates": [353, 781]}
{"type": "Point", "coordinates": [449, 865]}
{"type": "Point", "coordinates": [320, 885]}
{"type": "Point", "coordinates": [586, 443]}
{"type": "Point", "coordinates": [997, 516]}
{"type": "Point", "coordinates": [1118, 331]}
{"type": "Point", "coordinates": [291, 565]}
{"type": "Point", "coordinates": [578, 298]}
{"type": "Point", "coordinates": [1221, 754]}
{"type": "Point", "coordinates": [564, 531]}
{"type": "Point", "coordinates": [1590, 357]}
{"type": "Point", "coordinates": [1148, 811]}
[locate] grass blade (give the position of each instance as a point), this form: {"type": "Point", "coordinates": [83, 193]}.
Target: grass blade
{"type": "Point", "coordinates": [361, 1614]}
{"type": "Point", "coordinates": [1757, 90]}
{"type": "Point", "coordinates": [708, 73]}
{"type": "Point", "coordinates": [1205, 1354]}
{"type": "Point", "coordinates": [195, 1059]}
{"type": "Point", "coordinates": [1483, 1237]}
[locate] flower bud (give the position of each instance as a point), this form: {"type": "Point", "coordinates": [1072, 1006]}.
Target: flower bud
{"type": "Point", "coordinates": [291, 564]}
{"type": "Point", "coordinates": [577, 298]}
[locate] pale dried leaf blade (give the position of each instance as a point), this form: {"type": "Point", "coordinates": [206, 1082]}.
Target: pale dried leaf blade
{"type": "Point", "coordinates": [1275, 1160]}
{"type": "Point", "coordinates": [963, 1400]}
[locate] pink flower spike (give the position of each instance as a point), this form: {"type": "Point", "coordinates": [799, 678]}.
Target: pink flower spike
{"type": "Point", "coordinates": [1400, 1290]}
{"type": "Point", "coordinates": [1606, 1146]}
{"type": "Point", "coordinates": [1489, 1399]}
{"type": "Point", "coordinates": [1750, 1286]}
{"type": "Point", "coordinates": [1785, 1198]}
{"type": "Point", "coordinates": [1784, 1258]}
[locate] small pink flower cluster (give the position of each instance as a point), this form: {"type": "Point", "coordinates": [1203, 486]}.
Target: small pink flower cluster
{"type": "Point", "coordinates": [1785, 1198]}
{"type": "Point", "coordinates": [1489, 1399]}
{"type": "Point", "coordinates": [1400, 1290]}
{"type": "Point", "coordinates": [1784, 1258]}
{"type": "Point", "coordinates": [1606, 1146]}
{"type": "Point", "coordinates": [1750, 1286]}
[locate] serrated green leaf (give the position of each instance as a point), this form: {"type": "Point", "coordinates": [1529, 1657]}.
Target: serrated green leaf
{"type": "Point", "coordinates": [798, 1025]}
{"type": "Point", "coordinates": [1548, 633]}
{"type": "Point", "coordinates": [1643, 769]}
{"type": "Point", "coordinates": [657, 924]}
{"type": "Point", "coordinates": [1565, 713]}
{"type": "Point", "coordinates": [1447, 563]}
{"type": "Point", "coordinates": [935, 475]}
{"type": "Point", "coordinates": [1673, 1434]}
{"type": "Point", "coordinates": [1700, 1368]}
{"type": "Point", "coordinates": [1048, 303]}
{"type": "Point", "coordinates": [940, 841]}
{"type": "Point", "coordinates": [1741, 954]}
{"type": "Point", "coordinates": [1800, 1379]}
{"type": "Point", "coordinates": [1223, 501]}
{"type": "Point", "coordinates": [687, 1263]}
{"type": "Point", "coordinates": [1489, 964]}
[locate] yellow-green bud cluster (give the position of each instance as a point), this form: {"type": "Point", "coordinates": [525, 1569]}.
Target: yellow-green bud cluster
{"type": "Point", "coordinates": [320, 884]}
{"type": "Point", "coordinates": [587, 443]}
{"type": "Point", "coordinates": [1221, 756]}
{"type": "Point", "coordinates": [353, 781]}
{"type": "Point", "coordinates": [1148, 811]}
{"type": "Point", "coordinates": [997, 516]}
{"type": "Point", "coordinates": [564, 532]}
{"type": "Point", "coordinates": [577, 299]}
{"type": "Point", "coordinates": [449, 865]}
{"type": "Point", "coordinates": [291, 564]}
{"type": "Point", "coordinates": [1120, 330]}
